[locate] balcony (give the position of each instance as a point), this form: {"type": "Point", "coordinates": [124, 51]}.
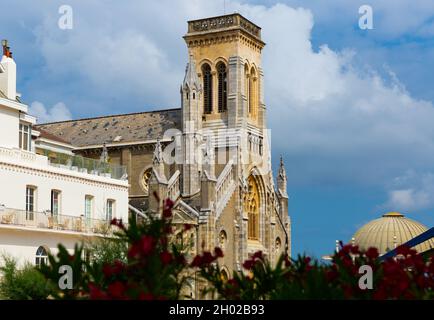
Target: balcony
{"type": "Point", "coordinates": [88, 165]}
{"type": "Point", "coordinates": [67, 162]}
{"type": "Point", "coordinates": [47, 221]}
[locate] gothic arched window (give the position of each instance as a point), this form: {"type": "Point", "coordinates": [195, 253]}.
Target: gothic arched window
{"type": "Point", "coordinates": [252, 206]}
{"type": "Point", "coordinates": [207, 88]}
{"type": "Point", "coordinates": [246, 85]}
{"type": "Point", "coordinates": [222, 87]}
{"type": "Point", "coordinates": [252, 93]}
{"type": "Point", "coordinates": [145, 180]}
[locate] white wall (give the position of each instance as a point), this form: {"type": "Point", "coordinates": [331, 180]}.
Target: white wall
{"type": "Point", "coordinates": [22, 244]}
{"type": "Point", "coordinates": [9, 127]}
{"type": "Point", "coordinates": [73, 191]}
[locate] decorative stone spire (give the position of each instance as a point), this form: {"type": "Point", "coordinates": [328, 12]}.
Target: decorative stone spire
{"type": "Point", "coordinates": [209, 157]}
{"type": "Point", "coordinates": [158, 162]}
{"type": "Point", "coordinates": [281, 178]}
{"type": "Point", "coordinates": [282, 171]}
{"type": "Point", "coordinates": [158, 153]}
{"type": "Point", "coordinates": [191, 79]}
{"type": "Point", "coordinates": [104, 154]}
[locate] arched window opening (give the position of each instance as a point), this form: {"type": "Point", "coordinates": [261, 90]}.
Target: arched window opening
{"type": "Point", "coordinates": [252, 207]}
{"type": "Point", "coordinates": [145, 180]}
{"type": "Point", "coordinates": [41, 256]}
{"type": "Point", "coordinates": [252, 92]}
{"type": "Point", "coordinates": [278, 244]}
{"type": "Point", "coordinates": [207, 88]}
{"type": "Point", "coordinates": [246, 86]}
{"type": "Point", "coordinates": [224, 275]}
{"type": "Point", "coordinates": [222, 87]}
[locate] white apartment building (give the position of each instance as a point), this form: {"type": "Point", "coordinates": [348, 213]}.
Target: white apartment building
{"type": "Point", "coordinates": [46, 201]}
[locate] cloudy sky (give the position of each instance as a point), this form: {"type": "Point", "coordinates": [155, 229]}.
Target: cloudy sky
{"type": "Point", "coordinates": [351, 110]}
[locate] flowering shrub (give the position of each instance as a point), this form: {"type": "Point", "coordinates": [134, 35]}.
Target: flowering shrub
{"type": "Point", "coordinates": [406, 277]}
{"type": "Point", "coordinates": [155, 266]}
{"type": "Point", "coordinates": [158, 268]}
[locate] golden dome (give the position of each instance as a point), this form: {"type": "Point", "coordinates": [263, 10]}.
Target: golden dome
{"type": "Point", "coordinates": [392, 229]}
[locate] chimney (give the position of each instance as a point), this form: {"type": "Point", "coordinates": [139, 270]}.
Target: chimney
{"type": "Point", "coordinates": [8, 78]}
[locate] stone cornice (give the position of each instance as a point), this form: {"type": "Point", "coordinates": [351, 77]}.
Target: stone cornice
{"type": "Point", "coordinates": [57, 175]}
{"type": "Point", "coordinates": [223, 23]}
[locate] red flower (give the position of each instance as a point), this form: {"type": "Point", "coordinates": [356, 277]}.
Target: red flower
{"type": "Point", "coordinates": [166, 257]}
{"type": "Point", "coordinates": [96, 293]}
{"type": "Point", "coordinates": [404, 250]}
{"type": "Point", "coordinates": [167, 209]}
{"type": "Point", "coordinates": [147, 244]}
{"type": "Point", "coordinates": [218, 252]}
{"type": "Point", "coordinates": [110, 270]}
{"type": "Point", "coordinates": [207, 258]}
{"type": "Point", "coordinates": [249, 264]}
{"type": "Point", "coordinates": [146, 296]}
{"type": "Point", "coordinates": [258, 255]}
{"type": "Point", "coordinates": [118, 223]}
{"type": "Point", "coordinates": [355, 250]}
{"type": "Point", "coordinates": [197, 261]}
{"type": "Point", "coordinates": [116, 290]}
{"type": "Point", "coordinates": [331, 275]}
{"type": "Point", "coordinates": [372, 253]}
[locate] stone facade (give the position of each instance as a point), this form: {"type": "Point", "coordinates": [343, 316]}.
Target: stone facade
{"type": "Point", "coordinates": [212, 156]}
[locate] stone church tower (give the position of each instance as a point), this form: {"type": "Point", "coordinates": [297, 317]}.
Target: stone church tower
{"type": "Point", "coordinates": [212, 156]}
{"type": "Point", "coordinates": [223, 110]}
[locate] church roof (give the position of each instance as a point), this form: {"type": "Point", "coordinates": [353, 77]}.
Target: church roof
{"type": "Point", "coordinates": [390, 231]}
{"type": "Point", "coordinates": [119, 129]}
{"type": "Point", "coordinates": [47, 135]}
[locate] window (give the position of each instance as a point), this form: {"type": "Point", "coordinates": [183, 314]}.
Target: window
{"type": "Point", "coordinates": [145, 179]}
{"type": "Point", "coordinates": [246, 85]}
{"type": "Point", "coordinates": [41, 257]}
{"type": "Point", "coordinates": [88, 208]}
{"type": "Point", "coordinates": [252, 206]}
{"type": "Point", "coordinates": [55, 202]}
{"type": "Point", "coordinates": [110, 209]}
{"type": "Point", "coordinates": [252, 93]}
{"type": "Point", "coordinates": [207, 88]}
{"type": "Point", "coordinates": [30, 202]}
{"type": "Point", "coordinates": [25, 137]}
{"type": "Point", "coordinates": [222, 87]}
{"type": "Point", "coordinates": [278, 244]}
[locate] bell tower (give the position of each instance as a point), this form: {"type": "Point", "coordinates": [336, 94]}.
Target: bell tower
{"type": "Point", "coordinates": [227, 50]}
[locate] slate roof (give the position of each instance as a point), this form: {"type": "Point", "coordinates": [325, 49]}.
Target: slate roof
{"type": "Point", "coordinates": [47, 135]}
{"type": "Point", "coordinates": [123, 128]}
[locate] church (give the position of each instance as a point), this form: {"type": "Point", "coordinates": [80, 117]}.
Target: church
{"type": "Point", "coordinates": [211, 156]}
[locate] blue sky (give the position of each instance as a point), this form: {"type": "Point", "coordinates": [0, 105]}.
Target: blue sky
{"type": "Point", "coordinates": [351, 110]}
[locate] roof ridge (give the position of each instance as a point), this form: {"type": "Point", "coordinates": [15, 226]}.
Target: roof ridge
{"type": "Point", "coordinates": [107, 116]}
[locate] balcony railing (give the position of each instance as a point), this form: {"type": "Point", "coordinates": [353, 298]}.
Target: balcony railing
{"type": "Point", "coordinates": [42, 220]}
{"type": "Point", "coordinates": [75, 163]}
{"type": "Point", "coordinates": [88, 165]}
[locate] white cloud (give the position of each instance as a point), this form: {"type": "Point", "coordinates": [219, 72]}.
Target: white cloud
{"type": "Point", "coordinates": [58, 112]}
{"type": "Point", "coordinates": [339, 123]}
{"type": "Point", "coordinates": [410, 192]}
